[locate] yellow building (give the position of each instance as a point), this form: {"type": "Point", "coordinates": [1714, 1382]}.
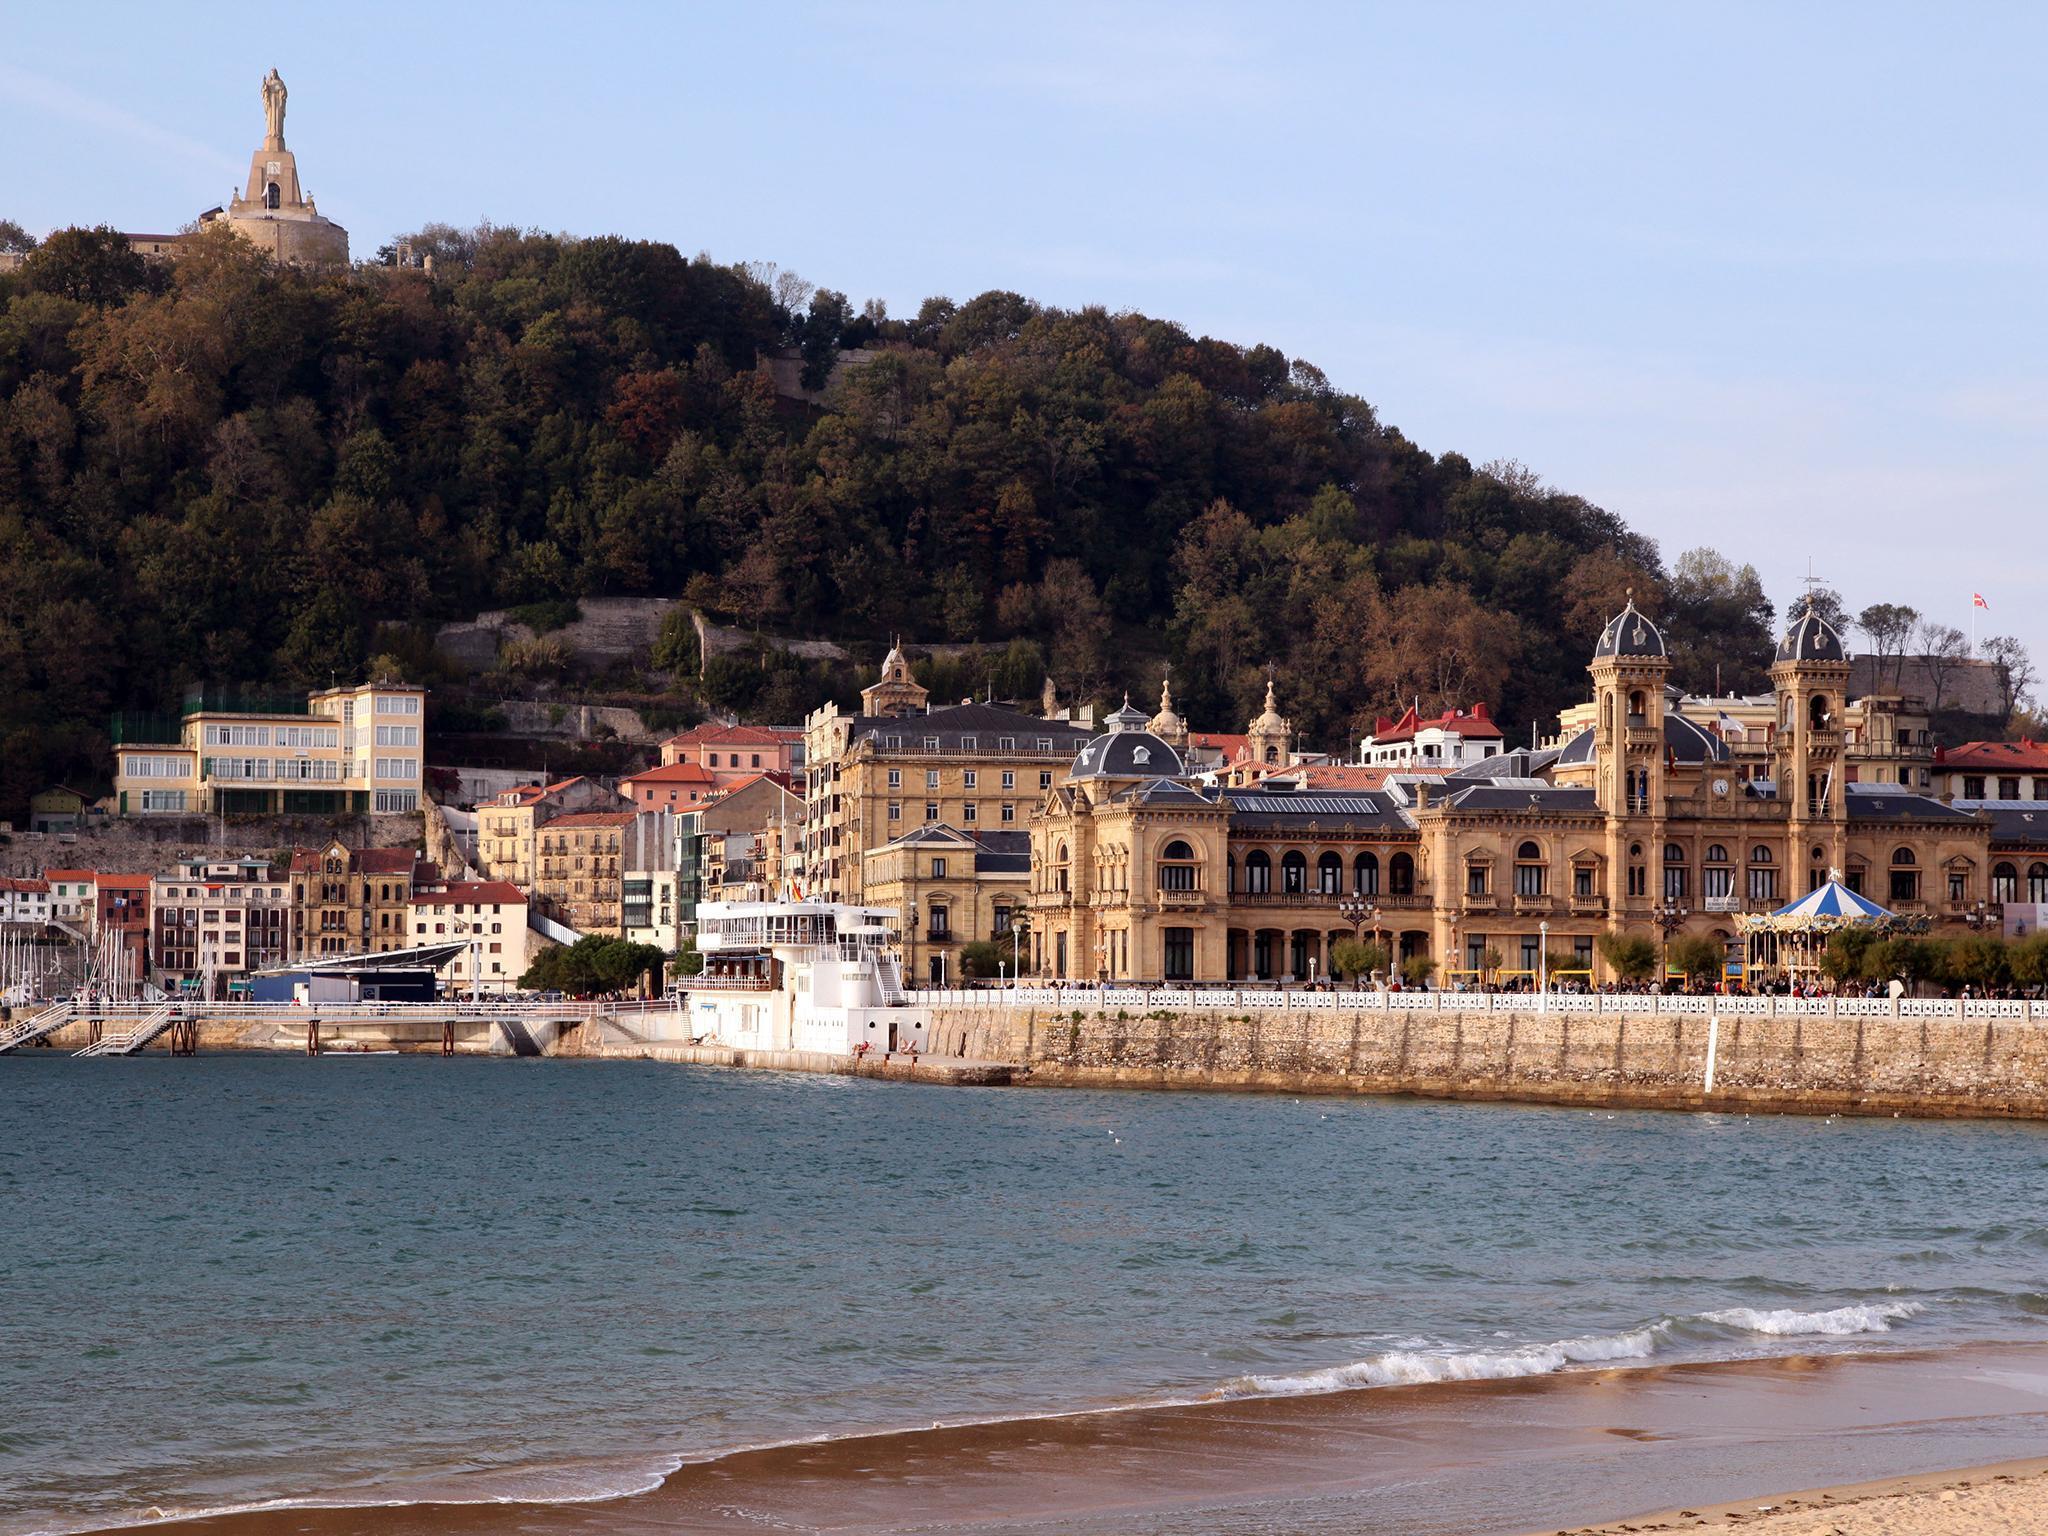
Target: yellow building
{"type": "Point", "coordinates": [351, 901]}
{"type": "Point", "coordinates": [900, 764]}
{"type": "Point", "coordinates": [952, 889]}
{"type": "Point", "coordinates": [508, 829]}
{"type": "Point", "coordinates": [1638, 822]}
{"type": "Point", "coordinates": [342, 751]}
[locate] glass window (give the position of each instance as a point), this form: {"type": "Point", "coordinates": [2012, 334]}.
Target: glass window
{"type": "Point", "coordinates": [1177, 949]}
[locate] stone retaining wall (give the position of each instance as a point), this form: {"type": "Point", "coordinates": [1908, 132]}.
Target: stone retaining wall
{"type": "Point", "coordinates": [1985, 1067]}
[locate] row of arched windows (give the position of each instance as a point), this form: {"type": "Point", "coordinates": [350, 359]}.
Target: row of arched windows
{"type": "Point", "coordinates": [1327, 877]}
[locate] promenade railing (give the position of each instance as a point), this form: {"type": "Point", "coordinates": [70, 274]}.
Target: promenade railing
{"type": "Point", "coordinates": [1140, 999]}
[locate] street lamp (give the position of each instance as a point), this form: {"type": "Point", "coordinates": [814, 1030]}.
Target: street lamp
{"type": "Point", "coordinates": [1669, 916]}
{"type": "Point", "coordinates": [1358, 911]}
{"type": "Point", "coordinates": [1543, 966]}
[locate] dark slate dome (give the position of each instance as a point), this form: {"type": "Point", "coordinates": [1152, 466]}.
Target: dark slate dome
{"type": "Point", "coordinates": [1127, 755]}
{"type": "Point", "coordinates": [1811, 638]}
{"type": "Point", "coordinates": [1688, 742]}
{"type": "Point", "coordinates": [1628, 633]}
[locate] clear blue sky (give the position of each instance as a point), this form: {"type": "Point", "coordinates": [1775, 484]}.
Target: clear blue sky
{"type": "Point", "coordinates": [1770, 278]}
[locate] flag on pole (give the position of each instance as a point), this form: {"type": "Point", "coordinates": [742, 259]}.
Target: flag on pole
{"type": "Point", "coordinates": [1977, 601]}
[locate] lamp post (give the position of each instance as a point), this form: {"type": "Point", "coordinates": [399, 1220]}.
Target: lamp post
{"type": "Point", "coordinates": [1979, 917]}
{"type": "Point", "coordinates": [1543, 966]}
{"type": "Point", "coordinates": [1669, 916]}
{"type": "Point", "coordinates": [1358, 911]}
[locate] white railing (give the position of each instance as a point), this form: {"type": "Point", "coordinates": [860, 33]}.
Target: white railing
{"type": "Point", "coordinates": [47, 1022]}
{"type": "Point", "coordinates": [1126, 998]}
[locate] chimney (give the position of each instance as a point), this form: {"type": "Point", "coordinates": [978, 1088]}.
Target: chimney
{"type": "Point", "coordinates": [1421, 795]}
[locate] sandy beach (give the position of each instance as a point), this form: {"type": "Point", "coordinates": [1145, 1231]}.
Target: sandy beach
{"type": "Point", "coordinates": [2005, 1497]}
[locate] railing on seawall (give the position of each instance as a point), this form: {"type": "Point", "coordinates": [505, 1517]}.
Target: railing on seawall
{"type": "Point", "coordinates": [1143, 999]}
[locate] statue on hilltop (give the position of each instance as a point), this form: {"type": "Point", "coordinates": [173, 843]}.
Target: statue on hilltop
{"type": "Point", "coordinates": [273, 109]}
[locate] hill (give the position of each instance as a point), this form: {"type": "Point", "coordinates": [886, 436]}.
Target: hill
{"type": "Point", "coordinates": [219, 470]}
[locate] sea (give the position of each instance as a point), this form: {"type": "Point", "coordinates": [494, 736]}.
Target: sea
{"type": "Point", "coordinates": [408, 1293]}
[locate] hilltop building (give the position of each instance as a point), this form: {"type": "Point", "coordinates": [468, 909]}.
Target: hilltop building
{"type": "Point", "coordinates": [341, 751]}
{"type": "Point", "coordinates": [1453, 739]}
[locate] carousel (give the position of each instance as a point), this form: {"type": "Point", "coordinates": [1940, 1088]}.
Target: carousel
{"type": "Point", "coordinates": [1792, 939]}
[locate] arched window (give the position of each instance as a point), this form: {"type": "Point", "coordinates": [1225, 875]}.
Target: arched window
{"type": "Point", "coordinates": [270, 195]}
{"type": "Point", "coordinates": [1365, 874]}
{"type": "Point", "coordinates": [2005, 883]}
{"type": "Point", "coordinates": [1258, 872]}
{"type": "Point", "coordinates": [1060, 880]}
{"type": "Point", "coordinates": [1230, 871]}
{"type": "Point", "coordinates": [1530, 871]}
{"type": "Point", "coordinates": [1401, 875]}
{"type": "Point", "coordinates": [1636, 710]}
{"type": "Point", "coordinates": [1677, 878]}
{"type": "Point", "coordinates": [1759, 854]}
{"type": "Point", "coordinates": [2037, 882]}
{"type": "Point", "coordinates": [1716, 854]}
{"type": "Point", "coordinates": [1329, 875]}
{"type": "Point", "coordinates": [1903, 856]}
{"type": "Point", "coordinates": [1763, 879]}
{"type": "Point", "coordinates": [1817, 711]}
{"type": "Point", "coordinates": [1673, 854]}
{"type": "Point", "coordinates": [1272, 754]}
{"type": "Point", "coordinates": [1716, 878]}
{"type": "Point", "coordinates": [1177, 867]}
{"type": "Point", "coordinates": [1294, 872]}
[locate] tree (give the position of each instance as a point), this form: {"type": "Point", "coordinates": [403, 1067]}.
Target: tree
{"type": "Point", "coordinates": [1417, 969]}
{"type": "Point", "coordinates": [2027, 960]}
{"type": "Point", "coordinates": [1696, 957]}
{"type": "Point", "coordinates": [1490, 962]}
{"type": "Point", "coordinates": [1976, 961]}
{"type": "Point", "coordinates": [1629, 955]}
{"type": "Point", "coordinates": [93, 266]}
{"type": "Point", "coordinates": [1357, 959]}
{"type": "Point", "coordinates": [595, 965]}
{"type": "Point", "coordinates": [1718, 624]}
{"type": "Point", "coordinates": [2015, 675]}
{"type": "Point", "coordinates": [1943, 650]}
{"type": "Point", "coordinates": [1889, 627]}
{"type": "Point", "coordinates": [686, 961]}
{"type": "Point", "coordinates": [982, 959]}
{"type": "Point", "coordinates": [14, 240]}
{"type": "Point", "coordinates": [1845, 955]}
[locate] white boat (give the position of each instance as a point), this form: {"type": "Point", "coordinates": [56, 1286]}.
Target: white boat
{"type": "Point", "coordinates": [802, 976]}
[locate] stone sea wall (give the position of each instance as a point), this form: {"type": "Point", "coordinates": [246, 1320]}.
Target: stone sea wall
{"type": "Point", "coordinates": [1819, 1065]}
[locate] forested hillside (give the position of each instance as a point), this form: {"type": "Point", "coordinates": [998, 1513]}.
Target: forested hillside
{"type": "Point", "coordinates": [219, 471]}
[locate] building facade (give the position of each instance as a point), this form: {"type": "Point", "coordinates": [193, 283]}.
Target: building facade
{"type": "Point", "coordinates": [1636, 823]}
{"type": "Point", "coordinates": [508, 829]}
{"type": "Point", "coordinates": [952, 889]}
{"type": "Point", "coordinates": [732, 753]}
{"type": "Point", "coordinates": [899, 765]}
{"type": "Point", "coordinates": [1454, 739]}
{"type": "Point", "coordinates": [343, 751]}
{"type": "Point", "coordinates": [488, 917]}
{"type": "Point", "coordinates": [351, 901]}
{"type": "Point", "coordinates": [1993, 770]}
{"type": "Point", "coordinates": [215, 920]}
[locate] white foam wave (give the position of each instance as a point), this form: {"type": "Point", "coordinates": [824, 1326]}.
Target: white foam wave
{"type": "Point", "coordinates": [1420, 1367]}
{"type": "Point", "coordinates": [1837, 1322]}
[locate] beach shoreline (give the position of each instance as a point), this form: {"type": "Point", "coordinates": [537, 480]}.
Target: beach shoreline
{"type": "Point", "coordinates": [1960, 1501]}
{"type": "Point", "coordinates": [1524, 1456]}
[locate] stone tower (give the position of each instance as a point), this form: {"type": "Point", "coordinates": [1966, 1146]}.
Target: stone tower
{"type": "Point", "coordinates": [1166, 725]}
{"type": "Point", "coordinates": [1630, 668]}
{"type": "Point", "coordinates": [896, 692]}
{"type": "Point", "coordinates": [1269, 739]}
{"type": "Point", "coordinates": [274, 212]}
{"type": "Point", "coordinates": [1811, 679]}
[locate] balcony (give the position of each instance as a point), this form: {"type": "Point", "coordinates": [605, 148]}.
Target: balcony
{"type": "Point", "coordinates": [1479, 902]}
{"type": "Point", "coordinates": [1589, 906]}
{"type": "Point", "coordinates": [1180, 901]}
{"type": "Point", "coordinates": [1539, 903]}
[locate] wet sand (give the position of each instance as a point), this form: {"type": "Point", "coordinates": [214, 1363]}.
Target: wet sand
{"type": "Point", "coordinates": [1505, 1457]}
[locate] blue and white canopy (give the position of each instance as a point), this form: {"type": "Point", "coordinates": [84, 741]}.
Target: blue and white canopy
{"type": "Point", "coordinates": [1828, 906]}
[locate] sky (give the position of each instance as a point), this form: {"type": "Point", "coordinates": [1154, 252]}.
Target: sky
{"type": "Point", "coordinates": [1766, 278]}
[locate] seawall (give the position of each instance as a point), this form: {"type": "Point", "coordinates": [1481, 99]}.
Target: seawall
{"type": "Point", "coordinates": [1881, 1064]}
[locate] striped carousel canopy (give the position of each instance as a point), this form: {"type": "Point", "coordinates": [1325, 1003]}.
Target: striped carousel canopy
{"type": "Point", "coordinates": [1832, 905]}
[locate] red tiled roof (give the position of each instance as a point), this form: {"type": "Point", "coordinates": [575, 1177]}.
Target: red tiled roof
{"type": "Point", "coordinates": [782, 779]}
{"type": "Point", "coordinates": [594, 819]}
{"type": "Point", "coordinates": [26, 887]}
{"type": "Point", "coordinates": [529, 794]}
{"type": "Point", "coordinates": [712, 734]}
{"type": "Point", "coordinates": [1994, 755]}
{"type": "Point", "coordinates": [68, 874]}
{"type": "Point", "coordinates": [386, 861]}
{"type": "Point", "coordinates": [672, 773]}
{"type": "Point", "coordinates": [502, 892]}
{"type": "Point", "coordinates": [1476, 724]}
{"type": "Point", "coordinates": [122, 882]}
{"type": "Point", "coordinates": [1218, 741]}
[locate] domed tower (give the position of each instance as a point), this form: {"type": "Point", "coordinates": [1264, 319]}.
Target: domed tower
{"type": "Point", "coordinates": [1128, 718]}
{"type": "Point", "coordinates": [1630, 667]}
{"type": "Point", "coordinates": [1166, 725]}
{"type": "Point", "coordinates": [896, 692]}
{"type": "Point", "coordinates": [1269, 739]}
{"type": "Point", "coordinates": [1811, 679]}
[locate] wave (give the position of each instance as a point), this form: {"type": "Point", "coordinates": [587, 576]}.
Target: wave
{"type": "Point", "coordinates": [1422, 1365]}
{"type": "Point", "coordinates": [1417, 1367]}
{"type": "Point", "coordinates": [1837, 1322]}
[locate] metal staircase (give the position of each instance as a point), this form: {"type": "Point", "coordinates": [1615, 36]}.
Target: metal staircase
{"type": "Point", "coordinates": [129, 1041]}
{"type": "Point", "coordinates": [48, 1022]}
{"type": "Point", "coordinates": [889, 971]}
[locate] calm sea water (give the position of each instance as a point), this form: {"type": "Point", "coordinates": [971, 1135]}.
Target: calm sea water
{"type": "Point", "coordinates": [236, 1278]}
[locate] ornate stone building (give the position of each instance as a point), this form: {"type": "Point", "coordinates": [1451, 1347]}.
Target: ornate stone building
{"type": "Point", "coordinates": [1637, 822]}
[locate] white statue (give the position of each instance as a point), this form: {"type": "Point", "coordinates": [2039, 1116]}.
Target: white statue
{"type": "Point", "coordinates": [273, 108]}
